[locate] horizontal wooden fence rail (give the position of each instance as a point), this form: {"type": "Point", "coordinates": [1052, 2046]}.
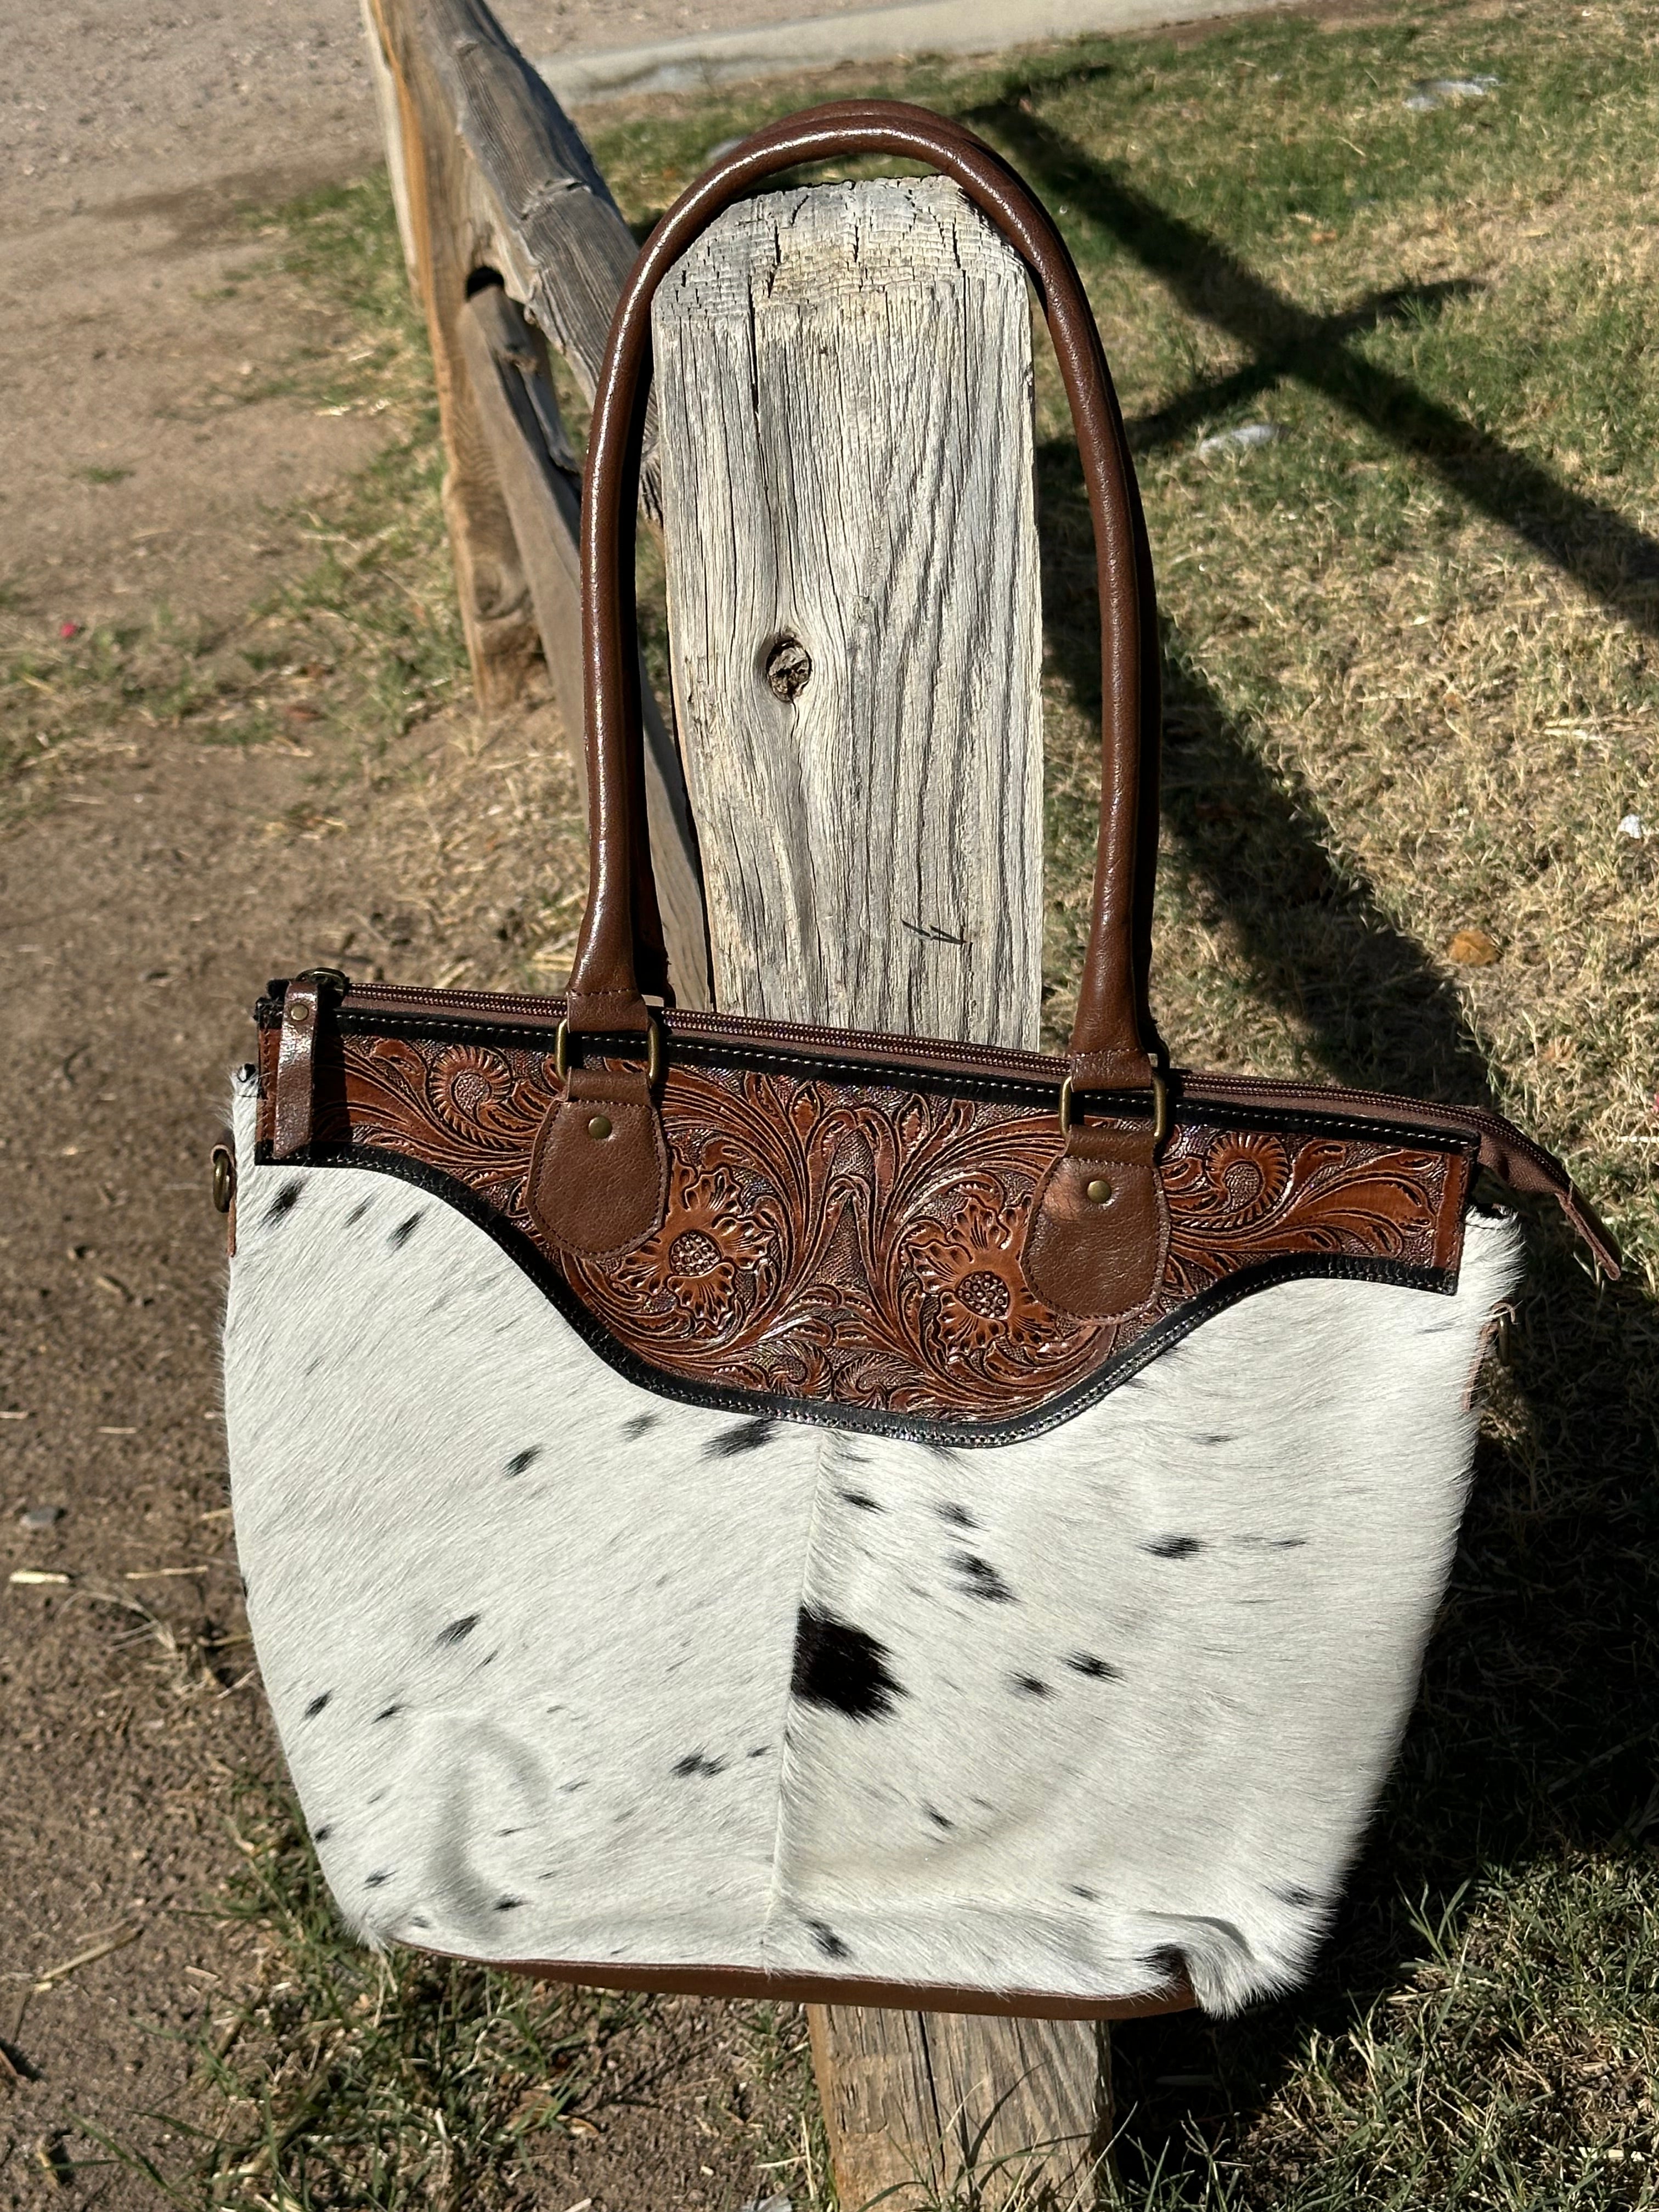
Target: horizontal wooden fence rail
{"type": "Point", "coordinates": [497, 193]}
{"type": "Point", "coordinates": [540, 481]}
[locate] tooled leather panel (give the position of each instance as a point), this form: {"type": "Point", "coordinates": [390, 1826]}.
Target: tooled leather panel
{"type": "Point", "coordinates": [858, 1243]}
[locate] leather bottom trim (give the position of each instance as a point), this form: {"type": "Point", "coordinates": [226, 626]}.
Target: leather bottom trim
{"type": "Point", "coordinates": [827, 1413]}
{"type": "Point", "coordinates": [828, 1989]}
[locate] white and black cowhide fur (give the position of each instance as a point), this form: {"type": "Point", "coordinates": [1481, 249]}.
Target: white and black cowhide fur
{"type": "Point", "coordinates": [564, 1670]}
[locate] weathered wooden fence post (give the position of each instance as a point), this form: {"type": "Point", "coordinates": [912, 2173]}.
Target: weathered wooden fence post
{"type": "Point", "coordinates": [844, 396]}
{"type": "Point", "coordinates": [854, 612]}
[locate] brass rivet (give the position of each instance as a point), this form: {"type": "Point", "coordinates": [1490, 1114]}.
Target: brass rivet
{"type": "Point", "coordinates": [599, 1127]}
{"type": "Point", "coordinates": [223, 1186]}
{"type": "Point", "coordinates": [299, 1013]}
{"type": "Point", "coordinates": [1098, 1191]}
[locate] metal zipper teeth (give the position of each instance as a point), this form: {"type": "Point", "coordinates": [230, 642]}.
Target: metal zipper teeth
{"type": "Point", "coordinates": [865, 1044]}
{"type": "Point", "coordinates": [879, 1049]}
{"type": "Point", "coordinates": [1274, 1086]}
{"type": "Point", "coordinates": [1475, 1119]}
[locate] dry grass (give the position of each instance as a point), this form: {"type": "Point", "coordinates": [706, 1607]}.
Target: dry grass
{"type": "Point", "coordinates": [364, 647]}
{"type": "Point", "coordinates": [345, 2077]}
{"type": "Point", "coordinates": [357, 663]}
{"type": "Point", "coordinates": [1411, 687]}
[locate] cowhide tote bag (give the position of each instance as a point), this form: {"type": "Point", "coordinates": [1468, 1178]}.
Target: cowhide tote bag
{"type": "Point", "coordinates": [760, 1509]}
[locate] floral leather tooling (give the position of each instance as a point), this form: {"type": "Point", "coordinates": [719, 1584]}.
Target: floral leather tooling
{"type": "Point", "coordinates": [854, 1237]}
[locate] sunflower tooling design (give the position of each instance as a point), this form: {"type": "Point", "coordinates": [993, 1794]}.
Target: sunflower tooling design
{"type": "Point", "coordinates": [860, 1242]}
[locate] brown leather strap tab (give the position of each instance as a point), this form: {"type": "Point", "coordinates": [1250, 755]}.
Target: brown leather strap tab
{"type": "Point", "coordinates": [1100, 1226]}
{"type": "Point", "coordinates": [1113, 1025]}
{"type": "Point", "coordinates": [599, 1173]}
{"type": "Point", "coordinates": [1527, 1168]}
{"type": "Point", "coordinates": [302, 1013]}
{"type": "Point", "coordinates": [606, 1013]}
{"type": "Point", "coordinates": [1107, 1071]}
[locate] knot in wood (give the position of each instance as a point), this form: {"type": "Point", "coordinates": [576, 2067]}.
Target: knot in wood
{"type": "Point", "coordinates": [788, 667]}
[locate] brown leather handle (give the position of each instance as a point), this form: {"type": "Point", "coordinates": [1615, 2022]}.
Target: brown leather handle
{"type": "Point", "coordinates": [1113, 1043]}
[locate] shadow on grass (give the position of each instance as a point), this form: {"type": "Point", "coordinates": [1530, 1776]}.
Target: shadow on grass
{"type": "Point", "coordinates": [1606, 555]}
{"type": "Point", "coordinates": [1531, 1743]}
{"type": "Point", "coordinates": [1532, 1736]}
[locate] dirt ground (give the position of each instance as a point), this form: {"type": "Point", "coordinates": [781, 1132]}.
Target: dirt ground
{"type": "Point", "coordinates": [140, 913]}
{"type": "Point", "coordinates": [131, 136]}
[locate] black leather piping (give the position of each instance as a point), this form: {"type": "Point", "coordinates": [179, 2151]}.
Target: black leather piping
{"type": "Point", "coordinates": [1035, 1421]}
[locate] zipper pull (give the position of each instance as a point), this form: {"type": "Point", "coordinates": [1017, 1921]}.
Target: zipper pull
{"type": "Point", "coordinates": [295, 1089]}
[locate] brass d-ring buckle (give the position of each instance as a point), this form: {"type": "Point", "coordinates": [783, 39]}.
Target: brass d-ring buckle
{"type": "Point", "coordinates": [653, 1053]}
{"type": "Point", "coordinates": [1160, 1108]}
